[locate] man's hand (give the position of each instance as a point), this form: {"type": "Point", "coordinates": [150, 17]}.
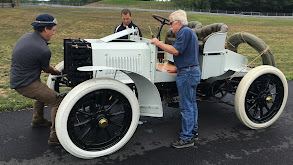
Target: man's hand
{"type": "Point", "coordinates": [172, 70]}
{"type": "Point", "coordinates": [56, 72]}
{"type": "Point", "coordinates": [168, 48]}
{"type": "Point", "coordinates": [155, 41]}
{"type": "Point", "coordinates": [52, 70]}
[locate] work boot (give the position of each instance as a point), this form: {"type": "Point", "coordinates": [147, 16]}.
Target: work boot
{"type": "Point", "coordinates": [53, 141]}
{"type": "Point", "coordinates": [41, 123]}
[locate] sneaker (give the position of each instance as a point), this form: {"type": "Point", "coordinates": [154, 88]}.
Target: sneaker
{"type": "Point", "coordinates": [182, 143]}
{"type": "Point", "coordinates": [195, 135]}
{"type": "Point", "coordinates": [53, 141]}
{"type": "Point", "coordinates": [41, 123]}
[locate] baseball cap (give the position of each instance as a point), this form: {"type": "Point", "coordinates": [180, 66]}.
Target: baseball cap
{"type": "Point", "coordinates": [45, 20]}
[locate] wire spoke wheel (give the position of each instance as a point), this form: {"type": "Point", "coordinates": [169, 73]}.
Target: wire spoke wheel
{"type": "Point", "coordinates": [219, 89]}
{"type": "Point", "coordinates": [99, 120]}
{"type": "Point", "coordinates": [264, 98]}
{"type": "Point", "coordinates": [261, 97]}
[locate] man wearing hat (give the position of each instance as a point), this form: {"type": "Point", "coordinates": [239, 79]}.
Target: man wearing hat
{"type": "Point", "coordinates": [31, 55]}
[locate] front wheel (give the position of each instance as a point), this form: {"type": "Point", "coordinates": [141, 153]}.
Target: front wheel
{"type": "Point", "coordinates": [261, 97]}
{"type": "Point", "coordinates": [97, 118]}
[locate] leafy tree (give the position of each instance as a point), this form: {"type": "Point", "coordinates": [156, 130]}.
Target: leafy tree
{"type": "Point", "coordinates": [280, 6]}
{"type": "Point", "coordinates": [253, 5]}
{"type": "Point", "coordinates": [195, 4]}
{"type": "Point", "coordinates": [5, 1]}
{"type": "Point", "coordinates": [63, 1]}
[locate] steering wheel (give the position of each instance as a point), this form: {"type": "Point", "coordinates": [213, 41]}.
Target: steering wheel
{"type": "Point", "coordinates": [163, 20]}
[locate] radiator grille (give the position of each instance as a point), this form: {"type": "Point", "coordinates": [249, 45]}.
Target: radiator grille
{"type": "Point", "coordinates": [133, 64]}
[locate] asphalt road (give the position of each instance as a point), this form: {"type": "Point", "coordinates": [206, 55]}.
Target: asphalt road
{"type": "Point", "coordinates": [223, 140]}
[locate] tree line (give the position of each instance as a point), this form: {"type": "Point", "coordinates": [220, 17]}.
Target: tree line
{"type": "Point", "coordinates": [58, 1]}
{"type": "Point", "coordinates": [281, 6]}
{"type": "Point", "coordinates": [76, 1]}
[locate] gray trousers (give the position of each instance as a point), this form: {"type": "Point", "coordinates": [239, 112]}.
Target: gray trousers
{"type": "Point", "coordinates": [42, 95]}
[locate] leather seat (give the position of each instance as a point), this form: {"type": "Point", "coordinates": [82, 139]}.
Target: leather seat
{"type": "Point", "coordinates": [170, 37]}
{"type": "Point", "coordinates": [202, 33]}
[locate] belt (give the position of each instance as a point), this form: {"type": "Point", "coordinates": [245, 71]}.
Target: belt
{"type": "Point", "coordinates": [189, 67]}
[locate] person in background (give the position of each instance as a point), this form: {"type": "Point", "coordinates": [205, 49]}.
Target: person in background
{"type": "Point", "coordinates": [185, 51]}
{"type": "Point", "coordinates": [126, 22]}
{"type": "Point", "coordinates": [31, 55]}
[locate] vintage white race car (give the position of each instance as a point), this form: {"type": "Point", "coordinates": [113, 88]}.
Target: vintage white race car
{"type": "Point", "coordinates": [109, 83]}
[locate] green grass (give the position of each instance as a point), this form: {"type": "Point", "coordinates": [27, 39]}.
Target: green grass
{"type": "Point", "coordinates": [135, 4]}
{"type": "Point", "coordinates": [95, 23]}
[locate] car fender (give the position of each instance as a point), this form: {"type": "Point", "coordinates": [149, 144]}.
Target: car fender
{"type": "Point", "coordinates": [148, 95]}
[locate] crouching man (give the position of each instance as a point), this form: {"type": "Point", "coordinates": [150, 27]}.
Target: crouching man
{"type": "Point", "coordinates": [30, 56]}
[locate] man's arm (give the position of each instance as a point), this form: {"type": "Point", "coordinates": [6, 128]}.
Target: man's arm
{"type": "Point", "coordinates": [117, 29]}
{"type": "Point", "coordinates": [140, 34]}
{"type": "Point", "coordinates": [52, 70]}
{"type": "Point", "coordinates": [168, 48]}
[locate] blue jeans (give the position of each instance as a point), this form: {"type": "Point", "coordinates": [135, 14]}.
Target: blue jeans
{"type": "Point", "coordinates": [187, 81]}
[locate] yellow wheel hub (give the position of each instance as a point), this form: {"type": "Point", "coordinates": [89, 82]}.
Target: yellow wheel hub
{"type": "Point", "coordinates": [103, 123]}
{"type": "Point", "coordinates": [269, 99]}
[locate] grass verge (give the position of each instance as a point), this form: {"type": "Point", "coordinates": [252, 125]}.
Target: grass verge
{"type": "Point", "coordinates": [95, 23]}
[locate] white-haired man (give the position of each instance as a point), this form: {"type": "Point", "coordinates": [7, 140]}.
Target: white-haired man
{"type": "Point", "coordinates": [185, 53]}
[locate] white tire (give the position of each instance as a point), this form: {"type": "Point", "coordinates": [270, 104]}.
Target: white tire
{"type": "Point", "coordinates": [261, 97]}
{"type": "Point", "coordinates": [50, 83]}
{"type": "Point", "coordinates": [83, 112]}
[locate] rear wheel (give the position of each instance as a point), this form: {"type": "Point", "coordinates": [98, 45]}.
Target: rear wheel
{"type": "Point", "coordinates": [261, 97]}
{"type": "Point", "coordinates": [97, 118]}
{"type": "Point", "coordinates": [219, 89]}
